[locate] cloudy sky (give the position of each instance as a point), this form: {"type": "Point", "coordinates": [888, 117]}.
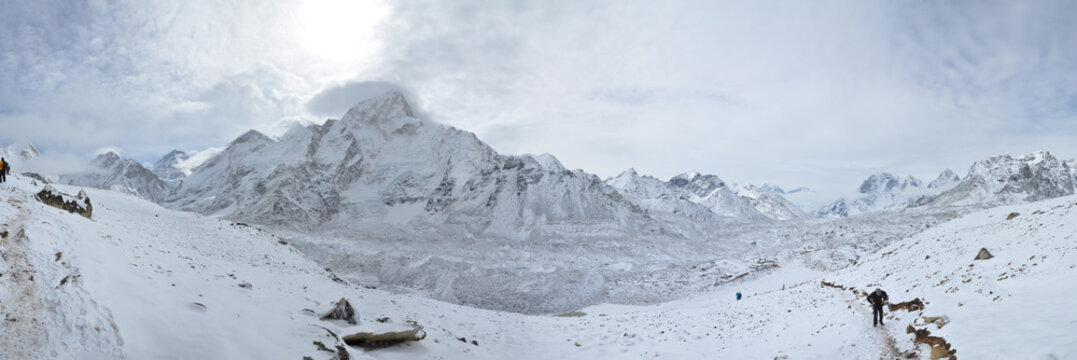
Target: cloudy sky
{"type": "Point", "coordinates": [818, 94]}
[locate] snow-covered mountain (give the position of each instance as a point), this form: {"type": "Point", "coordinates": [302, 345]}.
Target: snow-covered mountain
{"type": "Point", "coordinates": [772, 202]}
{"type": "Point", "coordinates": [660, 197]}
{"type": "Point", "coordinates": [17, 152]}
{"type": "Point", "coordinates": [110, 171]}
{"type": "Point", "coordinates": [947, 179]}
{"type": "Point", "coordinates": [1004, 180]}
{"type": "Point", "coordinates": [166, 169]}
{"type": "Point", "coordinates": [699, 196]}
{"type": "Point", "coordinates": [1000, 180]}
{"type": "Point", "coordinates": [885, 191]}
{"type": "Point", "coordinates": [381, 165]}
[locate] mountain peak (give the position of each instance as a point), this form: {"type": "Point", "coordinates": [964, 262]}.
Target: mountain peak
{"type": "Point", "coordinates": [251, 136]}
{"type": "Point", "coordinates": [946, 177]}
{"type": "Point", "coordinates": [107, 156]}
{"type": "Point", "coordinates": [548, 162]}
{"type": "Point", "coordinates": [887, 182]}
{"type": "Point", "coordinates": [29, 152]}
{"type": "Point", "coordinates": [166, 167]}
{"type": "Point", "coordinates": [174, 154]}
{"type": "Point", "coordinates": [389, 112]}
{"type": "Point", "coordinates": [630, 172]}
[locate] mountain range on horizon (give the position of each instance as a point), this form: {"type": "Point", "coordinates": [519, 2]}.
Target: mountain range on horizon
{"type": "Point", "coordinates": [381, 153]}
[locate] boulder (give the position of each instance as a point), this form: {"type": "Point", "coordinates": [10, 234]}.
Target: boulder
{"type": "Point", "coordinates": [984, 254]}
{"type": "Point", "coordinates": [372, 339]}
{"type": "Point", "coordinates": [342, 310]}
{"type": "Point", "coordinates": [939, 352]}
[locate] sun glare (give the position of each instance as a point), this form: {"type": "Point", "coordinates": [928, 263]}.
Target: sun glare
{"type": "Point", "coordinates": [341, 30]}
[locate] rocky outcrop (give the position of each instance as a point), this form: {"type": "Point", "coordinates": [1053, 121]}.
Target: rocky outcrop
{"type": "Point", "coordinates": [79, 204]}
{"type": "Point", "coordinates": [984, 255]}
{"type": "Point", "coordinates": [342, 310]}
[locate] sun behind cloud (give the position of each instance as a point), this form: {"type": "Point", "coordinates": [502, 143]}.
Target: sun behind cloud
{"type": "Point", "coordinates": [341, 30]}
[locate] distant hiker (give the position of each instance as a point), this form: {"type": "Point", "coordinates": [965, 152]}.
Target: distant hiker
{"type": "Point", "coordinates": [878, 298]}
{"type": "Point", "coordinates": [738, 295]}
{"type": "Point", "coordinates": [4, 168]}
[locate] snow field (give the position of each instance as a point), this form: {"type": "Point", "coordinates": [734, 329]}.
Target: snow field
{"type": "Point", "coordinates": [1015, 305]}
{"type": "Point", "coordinates": [147, 282]}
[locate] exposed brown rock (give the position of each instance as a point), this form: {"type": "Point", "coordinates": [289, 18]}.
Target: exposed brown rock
{"type": "Point", "coordinates": [912, 305]}
{"type": "Point", "coordinates": [51, 197]}
{"type": "Point", "coordinates": [390, 338]}
{"type": "Point", "coordinates": [940, 348]}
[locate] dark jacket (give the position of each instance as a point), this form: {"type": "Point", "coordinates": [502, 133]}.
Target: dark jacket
{"type": "Point", "coordinates": [877, 300]}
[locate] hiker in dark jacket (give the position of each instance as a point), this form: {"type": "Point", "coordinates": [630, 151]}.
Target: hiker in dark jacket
{"type": "Point", "coordinates": [4, 168]}
{"type": "Point", "coordinates": [878, 298]}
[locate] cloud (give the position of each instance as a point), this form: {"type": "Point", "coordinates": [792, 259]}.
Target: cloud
{"type": "Point", "coordinates": [791, 94]}
{"type": "Point", "coordinates": [196, 158]}
{"type": "Point", "coordinates": [797, 94]}
{"type": "Point", "coordinates": [151, 77]}
{"type": "Point", "coordinates": [336, 99]}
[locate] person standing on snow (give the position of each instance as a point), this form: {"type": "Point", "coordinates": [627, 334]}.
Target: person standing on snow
{"type": "Point", "coordinates": [878, 298]}
{"type": "Point", "coordinates": [3, 170]}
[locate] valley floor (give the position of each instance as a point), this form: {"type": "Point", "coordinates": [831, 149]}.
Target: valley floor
{"type": "Point", "coordinates": [142, 282]}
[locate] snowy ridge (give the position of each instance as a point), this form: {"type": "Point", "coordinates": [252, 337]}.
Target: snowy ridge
{"type": "Point", "coordinates": [703, 197]}
{"type": "Point", "coordinates": [166, 168]}
{"type": "Point", "coordinates": [947, 179]}
{"type": "Point", "coordinates": [1005, 180]}
{"type": "Point", "coordinates": [124, 175]}
{"type": "Point", "coordinates": [771, 203]}
{"type": "Point", "coordinates": [885, 191]}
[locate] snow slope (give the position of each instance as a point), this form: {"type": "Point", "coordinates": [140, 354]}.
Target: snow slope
{"type": "Point", "coordinates": [1015, 305]}
{"type": "Point", "coordinates": [146, 282]}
